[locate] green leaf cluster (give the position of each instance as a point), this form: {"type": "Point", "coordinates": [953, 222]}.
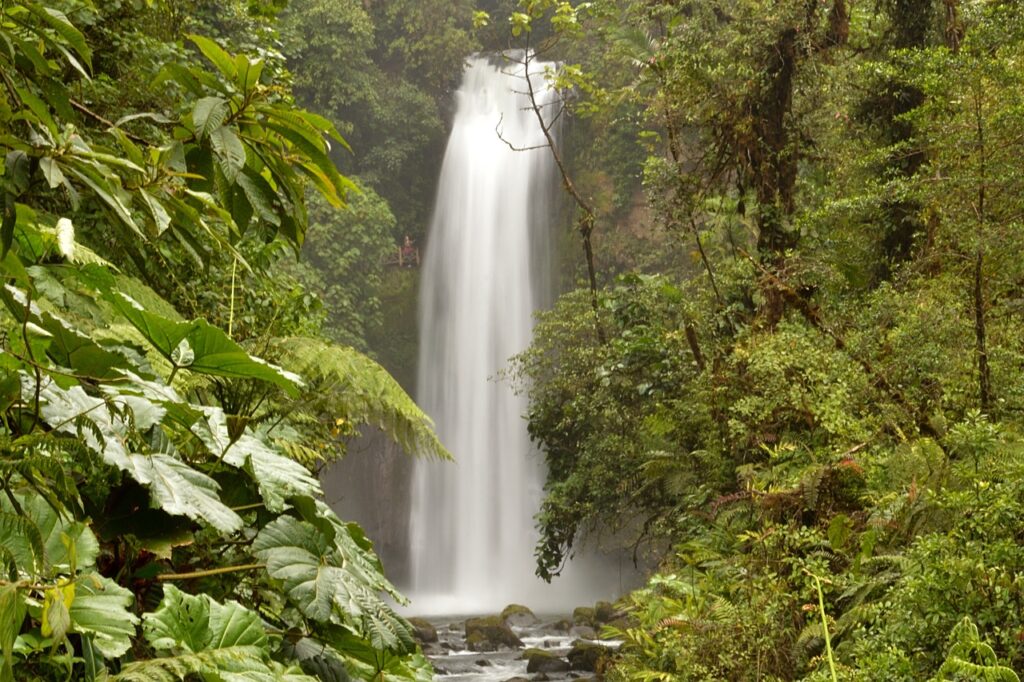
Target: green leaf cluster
{"type": "Point", "coordinates": [152, 459]}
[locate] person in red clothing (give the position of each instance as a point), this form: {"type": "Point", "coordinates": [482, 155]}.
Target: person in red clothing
{"type": "Point", "coordinates": [408, 255]}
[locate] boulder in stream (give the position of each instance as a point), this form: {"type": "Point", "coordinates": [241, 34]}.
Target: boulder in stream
{"type": "Point", "coordinates": [517, 616]}
{"type": "Point", "coordinates": [587, 656]}
{"type": "Point", "coordinates": [541, 661]}
{"type": "Point", "coordinates": [605, 612]}
{"type": "Point", "coordinates": [423, 630]}
{"type": "Point", "coordinates": [583, 615]}
{"type": "Point", "coordinates": [490, 634]}
{"type": "Point", "coordinates": [583, 632]}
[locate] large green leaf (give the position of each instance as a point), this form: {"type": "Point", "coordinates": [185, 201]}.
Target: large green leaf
{"type": "Point", "coordinates": [61, 25]}
{"type": "Point", "coordinates": [186, 623]}
{"type": "Point", "coordinates": [180, 490]}
{"type": "Point", "coordinates": [302, 558]}
{"type": "Point", "coordinates": [208, 115]}
{"type": "Point", "coordinates": [216, 54]}
{"type": "Point", "coordinates": [66, 541]}
{"type": "Point", "coordinates": [72, 349]}
{"type": "Point", "coordinates": [95, 420]}
{"type": "Point", "coordinates": [201, 347]}
{"type": "Point", "coordinates": [277, 476]}
{"type": "Point", "coordinates": [100, 608]}
{"type": "Point", "coordinates": [12, 613]}
{"type": "Point", "coordinates": [330, 579]}
{"type": "Point", "coordinates": [174, 486]}
{"type": "Point", "coordinates": [230, 152]}
{"type": "Point", "coordinates": [225, 642]}
{"type": "Point", "coordinates": [40, 541]}
{"type": "Point", "coordinates": [215, 664]}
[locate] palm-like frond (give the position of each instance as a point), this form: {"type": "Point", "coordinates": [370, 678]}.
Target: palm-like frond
{"type": "Point", "coordinates": [342, 383]}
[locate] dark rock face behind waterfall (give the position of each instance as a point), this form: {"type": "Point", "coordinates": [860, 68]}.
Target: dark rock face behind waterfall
{"type": "Point", "coordinates": [372, 486]}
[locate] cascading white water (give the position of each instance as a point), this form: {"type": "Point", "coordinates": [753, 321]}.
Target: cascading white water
{"type": "Point", "coordinates": [484, 277]}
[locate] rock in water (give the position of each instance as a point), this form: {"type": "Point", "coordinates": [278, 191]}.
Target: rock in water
{"type": "Point", "coordinates": [423, 630]}
{"type": "Point", "coordinates": [490, 634]}
{"type": "Point", "coordinates": [605, 612]}
{"type": "Point", "coordinates": [583, 615]}
{"type": "Point", "coordinates": [517, 616]}
{"type": "Point", "coordinates": [540, 661]}
{"type": "Point", "coordinates": [587, 656]}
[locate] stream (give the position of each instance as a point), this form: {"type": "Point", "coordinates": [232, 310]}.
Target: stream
{"type": "Point", "coordinates": [455, 661]}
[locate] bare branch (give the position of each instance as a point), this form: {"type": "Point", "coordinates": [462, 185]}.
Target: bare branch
{"type": "Point", "coordinates": [497, 130]}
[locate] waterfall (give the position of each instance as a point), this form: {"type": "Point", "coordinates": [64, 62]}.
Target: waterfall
{"type": "Point", "coordinates": [484, 276]}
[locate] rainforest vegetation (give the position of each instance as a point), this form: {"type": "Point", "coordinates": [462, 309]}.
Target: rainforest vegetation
{"type": "Point", "coordinates": [786, 368]}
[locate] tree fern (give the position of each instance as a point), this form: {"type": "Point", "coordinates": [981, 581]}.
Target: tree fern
{"type": "Point", "coordinates": [344, 383]}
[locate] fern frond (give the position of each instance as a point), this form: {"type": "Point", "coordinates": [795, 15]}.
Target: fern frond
{"type": "Point", "coordinates": [343, 383]}
{"type": "Point", "coordinates": [810, 642]}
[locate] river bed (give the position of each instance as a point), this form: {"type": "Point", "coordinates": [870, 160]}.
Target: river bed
{"type": "Point", "coordinates": [453, 661]}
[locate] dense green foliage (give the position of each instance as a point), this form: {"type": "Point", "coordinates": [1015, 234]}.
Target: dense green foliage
{"type": "Point", "coordinates": [796, 382]}
{"type": "Point", "coordinates": [810, 401]}
{"type": "Point", "coordinates": [165, 394]}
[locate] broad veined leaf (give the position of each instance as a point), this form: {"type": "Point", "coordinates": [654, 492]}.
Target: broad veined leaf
{"type": "Point", "coordinates": [181, 623]}
{"type": "Point", "coordinates": [51, 171]}
{"type": "Point", "coordinates": [367, 661]}
{"type": "Point", "coordinates": [42, 113]}
{"type": "Point", "coordinates": [277, 476]}
{"type": "Point", "coordinates": [69, 545]}
{"type": "Point", "coordinates": [262, 197]}
{"type": "Point", "coordinates": [67, 410]}
{"type": "Point", "coordinates": [209, 114]}
{"type": "Point", "coordinates": [193, 623]}
{"type": "Point", "coordinates": [174, 486]}
{"type": "Point", "coordinates": [178, 410]}
{"type": "Point", "coordinates": [212, 351]}
{"type": "Point", "coordinates": [12, 614]}
{"type": "Point", "coordinates": [61, 25]}
{"type": "Point", "coordinates": [230, 152]}
{"type": "Point", "coordinates": [100, 608]}
{"type": "Point", "coordinates": [325, 584]}
{"type": "Point", "coordinates": [301, 557]}
{"type": "Point", "coordinates": [225, 642]}
{"type": "Point", "coordinates": [161, 218]}
{"type": "Point", "coordinates": [216, 54]}
{"type": "Point", "coordinates": [352, 544]}
{"type": "Point", "coordinates": [180, 490]}
{"type": "Point", "coordinates": [248, 72]}
{"type": "Point", "coordinates": [72, 349]}
{"type": "Point", "coordinates": [234, 664]}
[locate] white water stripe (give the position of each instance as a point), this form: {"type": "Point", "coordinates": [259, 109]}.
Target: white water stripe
{"type": "Point", "coordinates": [472, 523]}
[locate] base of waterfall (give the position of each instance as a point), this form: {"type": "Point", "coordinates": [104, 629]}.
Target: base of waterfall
{"type": "Point", "coordinates": [516, 645]}
{"type": "Point", "coordinates": [592, 574]}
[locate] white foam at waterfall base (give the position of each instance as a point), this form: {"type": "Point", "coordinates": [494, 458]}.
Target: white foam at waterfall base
{"type": "Point", "coordinates": [485, 273]}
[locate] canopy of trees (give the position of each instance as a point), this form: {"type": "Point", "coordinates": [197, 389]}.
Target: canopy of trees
{"type": "Point", "coordinates": [797, 383]}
